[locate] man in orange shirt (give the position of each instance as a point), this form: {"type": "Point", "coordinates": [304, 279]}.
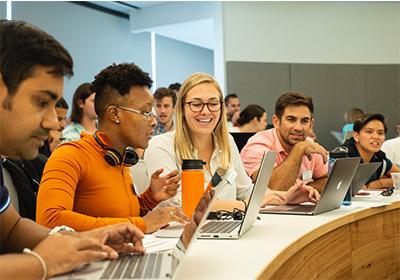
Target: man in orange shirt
{"type": "Point", "coordinates": [87, 183]}
{"type": "Point", "coordinates": [32, 69]}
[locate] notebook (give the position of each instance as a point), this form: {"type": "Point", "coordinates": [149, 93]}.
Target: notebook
{"type": "Point", "coordinates": [363, 173]}
{"type": "Point", "coordinates": [337, 184]}
{"type": "Point", "coordinates": [157, 265]}
{"type": "Point", "coordinates": [233, 229]}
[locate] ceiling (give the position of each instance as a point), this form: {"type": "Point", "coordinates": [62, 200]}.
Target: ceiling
{"type": "Point", "coordinates": [198, 33]}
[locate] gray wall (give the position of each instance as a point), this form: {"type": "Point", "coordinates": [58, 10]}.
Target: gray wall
{"type": "Point", "coordinates": [335, 88]}
{"type": "Point", "coordinates": [176, 61]}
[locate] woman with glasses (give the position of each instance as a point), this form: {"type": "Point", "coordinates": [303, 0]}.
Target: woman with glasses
{"type": "Point", "coordinates": [88, 184]}
{"type": "Point", "coordinates": [368, 136]}
{"type": "Point", "coordinates": [201, 133]}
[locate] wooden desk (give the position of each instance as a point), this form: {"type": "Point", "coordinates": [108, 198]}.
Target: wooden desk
{"type": "Point", "coordinates": [345, 243]}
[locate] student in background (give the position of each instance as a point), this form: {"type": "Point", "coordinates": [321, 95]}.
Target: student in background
{"type": "Point", "coordinates": [201, 133]}
{"type": "Point", "coordinates": [87, 183]}
{"type": "Point", "coordinates": [83, 116]}
{"type": "Point", "coordinates": [349, 118]}
{"type": "Point", "coordinates": [392, 150]}
{"type": "Point", "coordinates": [252, 119]}
{"type": "Point", "coordinates": [232, 104]}
{"type": "Point", "coordinates": [299, 157]}
{"type": "Point", "coordinates": [32, 69]}
{"type": "Point", "coordinates": [368, 136]}
{"type": "Point", "coordinates": [165, 101]}
{"type": "Point", "coordinates": [175, 87]}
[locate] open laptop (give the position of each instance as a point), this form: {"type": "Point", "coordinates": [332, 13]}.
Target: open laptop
{"type": "Point", "coordinates": [157, 265]}
{"type": "Point", "coordinates": [337, 184]}
{"type": "Point", "coordinates": [363, 173]}
{"type": "Point", "coordinates": [233, 229]}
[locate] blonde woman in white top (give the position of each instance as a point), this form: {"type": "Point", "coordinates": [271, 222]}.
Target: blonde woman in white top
{"type": "Point", "coordinates": [201, 133]}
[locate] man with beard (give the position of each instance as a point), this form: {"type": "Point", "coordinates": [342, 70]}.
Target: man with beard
{"type": "Point", "coordinates": [87, 183]}
{"type": "Point", "coordinates": [299, 157]}
{"type": "Point", "coordinates": [32, 69]}
{"type": "Point", "coordinates": [165, 100]}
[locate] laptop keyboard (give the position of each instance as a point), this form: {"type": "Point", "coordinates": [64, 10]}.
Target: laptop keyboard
{"type": "Point", "coordinates": [220, 226]}
{"type": "Point", "coordinates": [145, 266]}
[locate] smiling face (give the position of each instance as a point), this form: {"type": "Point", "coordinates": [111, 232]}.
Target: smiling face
{"type": "Point", "coordinates": [135, 129]}
{"type": "Point", "coordinates": [205, 121]}
{"type": "Point", "coordinates": [371, 136]}
{"type": "Point", "coordinates": [293, 126]}
{"type": "Point", "coordinates": [29, 115]}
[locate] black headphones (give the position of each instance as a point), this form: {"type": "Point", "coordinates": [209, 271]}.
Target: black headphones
{"type": "Point", "coordinates": [113, 157]}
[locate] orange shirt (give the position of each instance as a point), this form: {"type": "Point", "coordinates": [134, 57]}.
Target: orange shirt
{"type": "Point", "coordinates": [81, 190]}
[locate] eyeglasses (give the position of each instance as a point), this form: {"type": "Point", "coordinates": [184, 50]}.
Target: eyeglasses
{"type": "Point", "coordinates": [148, 115]}
{"type": "Point", "coordinates": [198, 106]}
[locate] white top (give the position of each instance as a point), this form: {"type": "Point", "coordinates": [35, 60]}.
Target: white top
{"type": "Point", "coordinates": [392, 150]}
{"type": "Point", "coordinates": [161, 154]}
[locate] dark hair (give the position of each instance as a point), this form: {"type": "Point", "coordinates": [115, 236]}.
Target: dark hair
{"type": "Point", "coordinates": [23, 47]}
{"type": "Point", "coordinates": [366, 118]}
{"type": "Point", "coordinates": [175, 86]}
{"type": "Point", "coordinates": [292, 98]}
{"type": "Point", "coordinates": [62, 104]}
{"type": "Point", "coordinates": [81, 94]}
{"type": "Point", "coordinates": [117, 79]}
{"type": "Point", "coordinates": [229, 96]}
{"type": "Point", "coordinates": [249, 113]}
{"type": "Point", "coordinates": [162, 92]}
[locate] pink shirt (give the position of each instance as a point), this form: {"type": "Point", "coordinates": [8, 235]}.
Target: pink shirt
{"type": "Point", "coordinates": [268, 140]}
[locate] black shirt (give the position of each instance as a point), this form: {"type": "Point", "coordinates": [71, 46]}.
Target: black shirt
{"type": "Point", "coordinates": [379, 156]}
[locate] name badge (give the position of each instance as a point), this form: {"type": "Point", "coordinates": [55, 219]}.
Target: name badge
{"type": "Point", "coordinates": [231, 176]}
{"type": "Point", "coordinates": [306, 175]}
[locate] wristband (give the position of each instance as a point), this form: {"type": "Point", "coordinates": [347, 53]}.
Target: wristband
{"type": "Point", "coordinates": [36, 255]}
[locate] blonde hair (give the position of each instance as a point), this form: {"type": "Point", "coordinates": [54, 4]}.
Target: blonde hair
{"type": "Point", "coordinates": [183, 143]}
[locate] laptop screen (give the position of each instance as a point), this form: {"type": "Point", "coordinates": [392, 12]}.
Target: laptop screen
{"type": "Point", "coordinates": [190, 230]}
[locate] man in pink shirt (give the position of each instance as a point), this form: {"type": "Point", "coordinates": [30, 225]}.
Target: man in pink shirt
{"type": "Point", "coordinates": [299, 157]}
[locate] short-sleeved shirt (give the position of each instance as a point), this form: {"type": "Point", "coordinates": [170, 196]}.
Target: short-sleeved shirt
{"type": "Point", "coordinates": [268, 140]}
{"type": "Point", "coordinates": [380, 156]}
{"type": "Point", "coordinates": [5, 199]}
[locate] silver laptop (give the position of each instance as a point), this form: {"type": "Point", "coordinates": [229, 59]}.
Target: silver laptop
{"type": "Point", "coordinates": [337, 184]}
{"type": "Point", "coordinates": [233, 229]}
{"type": "Point", "coordinates": [363, 173]}
{"type": "Point", "coordinates": [158, 265]}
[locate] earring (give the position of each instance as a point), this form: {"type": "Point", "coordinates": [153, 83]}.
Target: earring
{"type": "Point", "coordinates": [116, 121]}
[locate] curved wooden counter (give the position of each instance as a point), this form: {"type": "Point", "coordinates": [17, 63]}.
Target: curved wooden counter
{"type": "Point", "coordinates": [360, 245]}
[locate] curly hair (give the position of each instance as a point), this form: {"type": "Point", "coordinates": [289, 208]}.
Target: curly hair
{"type": "Point", "coordinates": [23, 47]}
{"type": "Point", "coordinates": [117, 79]}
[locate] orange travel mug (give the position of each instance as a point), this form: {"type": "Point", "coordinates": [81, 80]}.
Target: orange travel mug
{"type": "Point", "coordinates": [192, 184]}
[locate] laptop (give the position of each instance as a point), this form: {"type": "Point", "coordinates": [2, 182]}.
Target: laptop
{"type": "Point", "coordinates": [157, 265]}
{"type": "Point", "coordinates": [337, 184]}
{"type": "Point", "coordinates": [233, 229]}
{"type": "Point", "coordinates": [363, 173]}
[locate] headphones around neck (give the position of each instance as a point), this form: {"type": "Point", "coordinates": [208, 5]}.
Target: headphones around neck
{"type": "Point", "coordinates": [113, 157]}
